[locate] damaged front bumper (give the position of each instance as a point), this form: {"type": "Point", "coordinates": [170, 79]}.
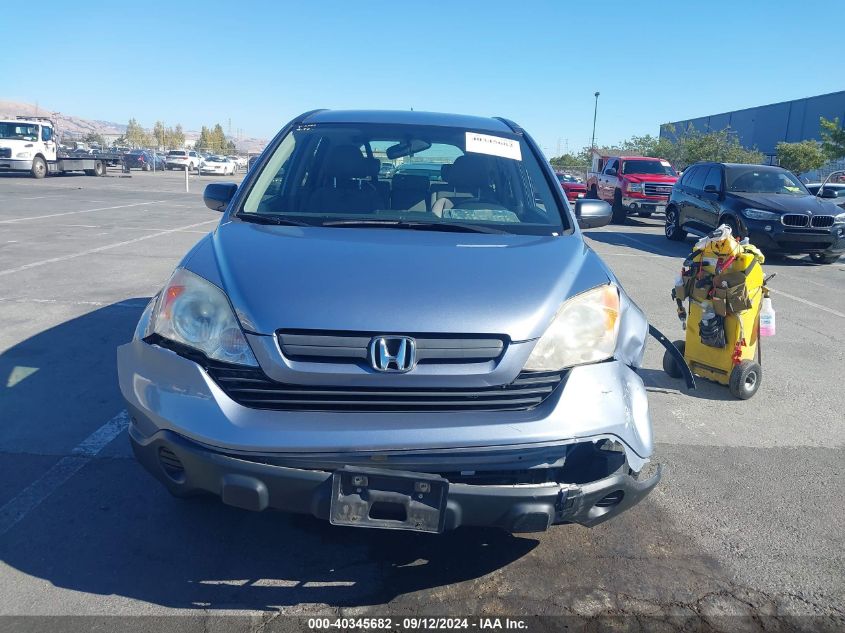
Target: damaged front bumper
{"type": "Point", "coordinates": [186, 467]}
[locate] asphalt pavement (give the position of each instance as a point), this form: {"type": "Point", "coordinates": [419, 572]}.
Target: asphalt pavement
{"type": "Point", "coordinates": [748, 520]}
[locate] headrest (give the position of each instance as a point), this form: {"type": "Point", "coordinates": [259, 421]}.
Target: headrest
{"type": "Point", "coordinates": [469, 172]}
{"type": "Point", "coordinates": [410, 181]}
{"type": "Point", "coordinates": [444, 172]}
{"type": "Point", "coordinates": [347, 161]}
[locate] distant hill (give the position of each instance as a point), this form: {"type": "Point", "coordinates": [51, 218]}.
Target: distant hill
{"type": "Point", "coordinates": [78, 126]}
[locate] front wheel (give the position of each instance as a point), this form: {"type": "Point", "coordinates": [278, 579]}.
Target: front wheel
{"type": "Point", "coordinates": [745, 379]}
{"type": "Point", "coordinates": [672, 228]}
{"type": "Point", "coordinates": [619, 212]}
{"type": "Point", "coordinates": [39, 168]}
{"type": "Point", "coordinates": [824, 258]}
{"type": "Point", "coordinates": [670, 365]}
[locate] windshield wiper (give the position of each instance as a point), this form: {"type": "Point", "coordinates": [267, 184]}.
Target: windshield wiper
{"type": "Point", "coordinates": [454, 227]}
{"type": "Point", "coordinates": [262, 218]}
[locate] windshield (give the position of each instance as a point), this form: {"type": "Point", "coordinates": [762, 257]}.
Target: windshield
{"type": "Point", "coordinates": [660, 167]}
{"type": "Point", "coordinates": [176, 153]}
{"type": "Point", "coordinates": [756, 179]}
{"type": "Point", "coordinates": [18, 131]}
{"type": "Point", "coordinates": [320, 174]}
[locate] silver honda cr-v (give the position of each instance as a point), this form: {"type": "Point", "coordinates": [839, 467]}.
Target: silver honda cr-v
{"type": "Point", "coordinates": [396, 324]}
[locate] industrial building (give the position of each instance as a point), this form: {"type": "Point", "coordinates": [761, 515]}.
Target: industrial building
{"type": "Point", "coordinates": [763, 127]}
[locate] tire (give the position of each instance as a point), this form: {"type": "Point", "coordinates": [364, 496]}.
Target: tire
{"type": "Point", "coordinates": [39, 168]}
{"type": "Point", "coordinates": [99, 168]}
{"type": "Point", "coordinates": [672, 228]}
{"type": "Point", "coordinates": [822, 258]}
{"type": "Point", "coordinates": [146, 167]}
{"type": "Point", "coordinates": [644, 214]}
{"type": "Point", "coordinates": [619, 212]}
{"type": "Point", "coordinates": [745, 379]}
{"type": "Point", "coordinates": [593, 193]}
{"type": "Point", "coordinates": [670, 366]}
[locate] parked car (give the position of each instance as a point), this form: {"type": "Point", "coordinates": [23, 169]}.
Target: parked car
{"type": "Point", "coordinates": [145, 160]}
{"type": "Point", "coordinates": [178, 158]}
{"type": "Point", "coordinates": [386, 170]}
{"type": "Point", "coordinates": [239, 161]}
{"type": "Point", "coordinates": [833, 192]}
{"type": "Point", "coordinates": [767, 204]}
{"type": "Point", "coordinates": [218, 165]}
{"type": "Point", "coordinates": [573, 186]}
{"type": "Point", "coordinates": [432, 171]}
{"type": "Point", "coordinates": [487, 378]}
{"type": "Point", "coordinates": [633, 184]}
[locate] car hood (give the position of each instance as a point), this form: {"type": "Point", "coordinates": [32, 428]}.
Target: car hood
{"type": "Point", "coordinates": [786, 203]}
{"type": "Point", "coordinates": [393, 280]}
{"type": "Point", "coordinates": [669, 180]}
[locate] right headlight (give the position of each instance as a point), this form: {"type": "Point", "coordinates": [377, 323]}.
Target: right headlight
{"type": "Point", "coordinates": [760, 214]}
{"type": "Point", "coordinates": [196, 313]}
{"type": "Point", "coordinates": [584, 330]}
{"type": "Point", "coordinates": [839, 218]}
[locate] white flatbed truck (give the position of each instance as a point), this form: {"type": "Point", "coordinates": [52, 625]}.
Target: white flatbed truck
{"type": "Point", "coordinates": [28, 144]}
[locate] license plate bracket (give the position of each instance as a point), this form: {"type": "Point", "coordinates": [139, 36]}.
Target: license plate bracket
{"type": "Point", "coordinates": [388, 499]}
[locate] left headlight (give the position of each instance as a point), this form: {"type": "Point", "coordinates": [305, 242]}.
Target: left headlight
{"type": "Point", "coordinates": [23, 155]}
{"type": "Point", "coordinates": [584, 330]}
{"type": "Point", "coordinates": [760, 214]}
{"type": "Point", "coordinates": [194, 312]}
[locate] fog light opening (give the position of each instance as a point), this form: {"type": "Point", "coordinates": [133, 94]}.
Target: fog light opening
{"type": "Point", "coordinates": [171, 465]}
{"type": "Point", "coordinates": [610, 500]}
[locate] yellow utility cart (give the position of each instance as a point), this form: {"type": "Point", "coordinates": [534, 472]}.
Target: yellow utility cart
{"type": "Point", "coordinates": [723, 284]}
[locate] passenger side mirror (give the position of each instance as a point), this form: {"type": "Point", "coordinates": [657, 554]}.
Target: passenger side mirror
{"type": "Point", "coordinates": [827, 193]}
{"type": "Point", "coordinates": [711, 189]}
{"type": "Point", "coordinates": [217, 195]}
{"type": "Point", "coordinates": [592, 214]}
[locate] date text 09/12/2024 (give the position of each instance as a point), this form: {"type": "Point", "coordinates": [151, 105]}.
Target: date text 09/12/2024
{"type": "Point", "coordinates": [418, 623]}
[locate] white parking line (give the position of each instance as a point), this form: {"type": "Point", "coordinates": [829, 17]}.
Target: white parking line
{"type": "Point", "coordinates": [14, 510]}
{"type": "Point", "coordinates": [55, 215]}
{"type": "Point", "coordinates": [100, 249]}
{"type": "Point", "coordinates": [119, 304]}
{"type": "Point", "coordinates": [806, 302]}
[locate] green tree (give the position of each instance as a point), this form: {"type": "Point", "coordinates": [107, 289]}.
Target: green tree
{"type": "Point", "coordinates": [135, 134]}
{"type": "Point", "coordinates": [833, 138]}
{"type": "Point", "coordinates": [640, 145]}
{"type": "Point", "coordinates": [204, 142]}
{"type": "Point", "coordinates": [160, 134]}
{"type": "Point", "coordinates": [694, 146]}
{"type": "Point", "coordinates": [800, 157]}
{"type": "Point", "coordinates": [95, 137]}
{"type": "Point", "coordinates": [176, 137]}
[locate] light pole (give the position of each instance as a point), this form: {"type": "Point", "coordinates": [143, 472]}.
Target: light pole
{"type": "Point", "coordinates": [595, 111]}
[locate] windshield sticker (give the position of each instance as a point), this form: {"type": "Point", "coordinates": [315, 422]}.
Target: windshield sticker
{"type": "Point", "coordinates": [665, 163]}
{"type": "Point", "coordinates": [493, 145]}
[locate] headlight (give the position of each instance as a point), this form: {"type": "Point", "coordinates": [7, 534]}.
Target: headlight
{"type": "Point", "coordinates": [760, 214]}
{"type": "Point", "coordinates": [584, 330]}
{"type": "Point", "coordinates": [839, 219]}
{"type": "Point", "coordinates": [23, 155]}
{"type": "Point", "coordinates": [635, 186]}
{"type": "Point", "coordinates": [196, 313]}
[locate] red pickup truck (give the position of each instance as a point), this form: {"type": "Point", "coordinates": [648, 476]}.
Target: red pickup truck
{"type": "Point", "coordinates": [632, 184]}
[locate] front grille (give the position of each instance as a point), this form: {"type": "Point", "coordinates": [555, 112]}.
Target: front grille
{"type": "Point", "coordinates": [250, 387]}
{"type": "Point", "coordinates": [822, 221]}
{"type": "Point", "coordinates": [657, 189]}
{"type": "Point", "coordinates": [5, 152]}
{"type": "Point", "coordinates": [793, 219]}
{"type": "Point", "coordinates": [334, 347]}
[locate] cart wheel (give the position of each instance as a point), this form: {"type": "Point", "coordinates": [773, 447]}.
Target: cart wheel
{"type": "Point", "coordinates": [745, 379]}
{"type": "Point", "coordinates": [99, 168]}
{"type": "Point", "coordinates": [669, 364]}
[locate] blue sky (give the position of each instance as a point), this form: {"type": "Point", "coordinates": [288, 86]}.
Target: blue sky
{"type": "Point", "coordinates": [538, 63]}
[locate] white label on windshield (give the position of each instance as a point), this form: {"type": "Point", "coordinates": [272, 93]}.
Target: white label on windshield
{"type": "Point", "coordinates": [665, 163]}
{"type": "Point", "coordinates": [493, 145]}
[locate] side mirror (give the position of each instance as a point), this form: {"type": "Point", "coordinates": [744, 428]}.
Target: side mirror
{"type": "Point", "coordinates": [592, 214]}
{"type": "Point", "coordinates": [827, 193]}
{"type": "Point", "coordinates": [711, 189]}
{"type": "Point", "coordinates": [611, 172]}
{"type": "Point", "coordinates": [217, 195]}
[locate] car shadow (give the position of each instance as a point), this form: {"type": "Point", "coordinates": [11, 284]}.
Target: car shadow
{"type": "Point", "coordinates": [658, 381]}
{"type": "Point", "coordinates": [111, 529]}
{"type": "Point", "coordinates": [653, 243]}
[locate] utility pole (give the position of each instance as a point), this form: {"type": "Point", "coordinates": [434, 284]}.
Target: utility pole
{"type": "Point", "coordinates": [595, 111]}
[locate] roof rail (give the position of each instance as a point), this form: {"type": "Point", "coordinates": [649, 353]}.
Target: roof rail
{"type": "Point", "coordinates": [22, 117]}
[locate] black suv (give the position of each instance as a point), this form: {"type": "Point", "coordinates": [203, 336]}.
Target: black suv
{"type": "Point", "coordinates": [769, 205]}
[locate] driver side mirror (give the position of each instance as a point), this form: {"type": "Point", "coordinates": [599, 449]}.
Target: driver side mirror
{"type": "Point", "coordinates": [592, 214]}
{"type": "Point", "coordinates": [217, 195]}
{"type": "Point", "coordinates": [611, 172]}
{"type": "Point", "coordinates": [711, 189]}
{"type": "Point", "coordinates": [827, 193]}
